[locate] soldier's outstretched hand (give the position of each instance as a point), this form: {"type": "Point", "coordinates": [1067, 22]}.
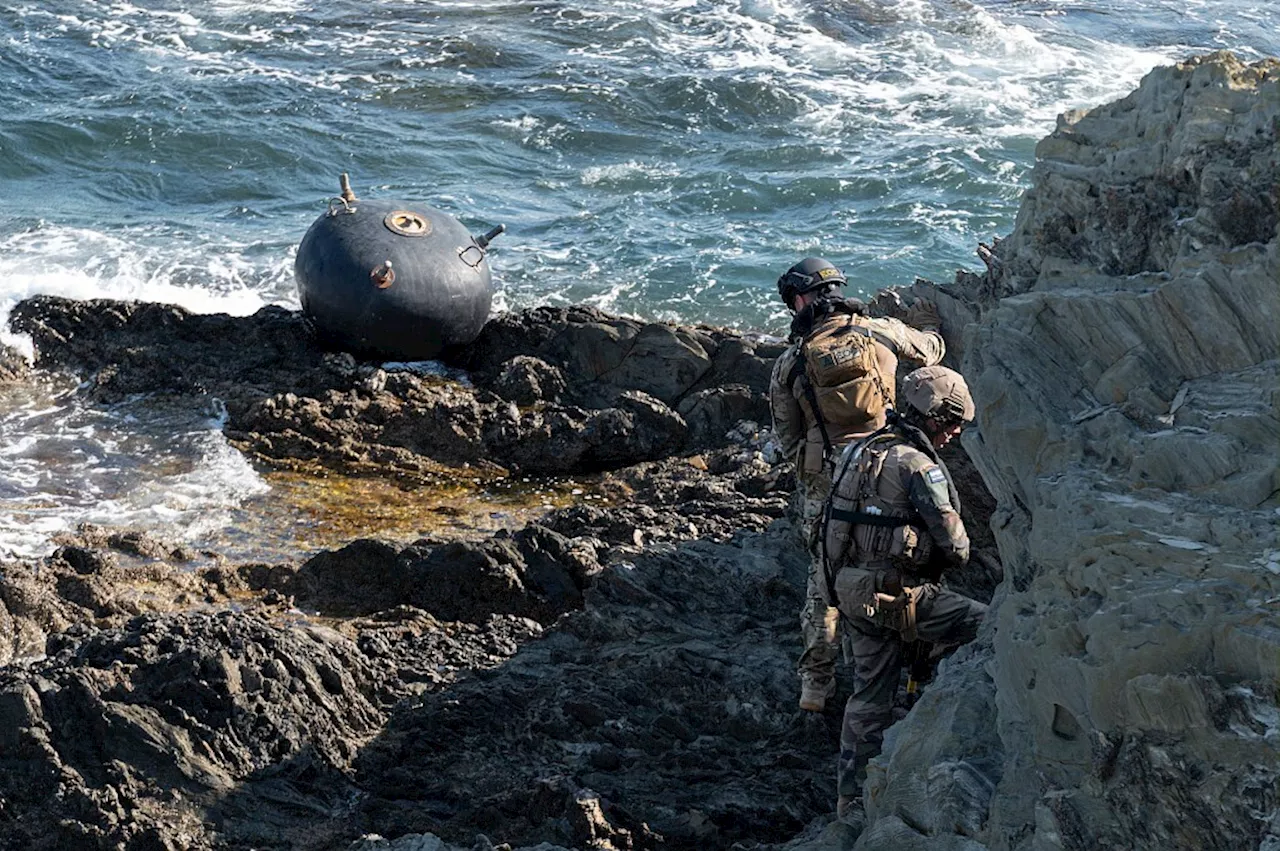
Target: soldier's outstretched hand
{"type": "Point", "coordinates": [923, 315]}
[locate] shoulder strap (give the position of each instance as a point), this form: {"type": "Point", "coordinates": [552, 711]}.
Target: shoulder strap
{"type": "Point", "coordinates": [861, 518]}
{"type": "Point", "coordinates": [875, 366]}
{"type": "Point", "coordinates": [920, 440]}
{"type": "Point", "coordinates": [806, 386]}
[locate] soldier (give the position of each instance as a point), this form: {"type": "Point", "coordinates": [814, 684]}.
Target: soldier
{"type": "Point", "coordinates": [893, 514]}
{"type": "Point", "coordinates": [833, 383]}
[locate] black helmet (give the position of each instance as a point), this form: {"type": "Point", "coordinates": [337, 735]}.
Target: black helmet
{"type": "Point", "coordinates": [809, 274]}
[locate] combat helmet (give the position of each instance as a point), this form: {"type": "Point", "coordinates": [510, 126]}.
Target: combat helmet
{"type": "Point", "coordinates": [939, 393]}
{"type": "Point", "coordinates": [811, 273]}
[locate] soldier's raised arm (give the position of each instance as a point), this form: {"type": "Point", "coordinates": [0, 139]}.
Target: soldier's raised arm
{"type": "Point", "coordinates": [916, 347]}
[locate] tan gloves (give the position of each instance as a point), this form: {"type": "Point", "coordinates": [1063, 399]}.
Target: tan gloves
{"type": "Point", "coordinates": [923, 315]}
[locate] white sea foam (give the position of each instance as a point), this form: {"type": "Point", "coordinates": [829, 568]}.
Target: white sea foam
{"type": "Point", "coordinates": [66, 464]}
{"type": "Point", "coordinates": [63, 464]}
{"type": "Point", "coordinates": [930, 58]}
{"type": "Point", "coordinates": [621, 173]}
{"type": "Point", "coordinates": [83, 264]}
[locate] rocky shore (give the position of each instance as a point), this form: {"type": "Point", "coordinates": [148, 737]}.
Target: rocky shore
{"type": "Point", "coordinates": [619, 673]}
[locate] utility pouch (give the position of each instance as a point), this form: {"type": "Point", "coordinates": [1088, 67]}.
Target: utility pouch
{"type": "Point", "coordinates": [895, 612]}
{"type": "Point", "coordinates": [811, 457]}
{"type": "Point", "coordinates": [854, 587]}
{"type": "Point", "coordinates": [910, 547]}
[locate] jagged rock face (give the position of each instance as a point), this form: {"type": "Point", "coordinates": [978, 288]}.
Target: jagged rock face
{"type": "Point", "coordinates": [1128, 395]}
{"type": "Point", "coordinates": [590, 349]}
{"type": "Point", "coordinates": [556, 391]}
{"type": "Point", "coordinates": [535, 573]}
{"type": "Point", "coordinates": [99, 736]}
{"type": "Point", "coordinates": [1162, 181]}
{"type": "Point", "coordinates": [677, 675]}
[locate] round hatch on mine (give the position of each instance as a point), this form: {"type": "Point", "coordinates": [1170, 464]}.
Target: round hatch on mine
{"type": "Point", "coordinates": [407, 223]}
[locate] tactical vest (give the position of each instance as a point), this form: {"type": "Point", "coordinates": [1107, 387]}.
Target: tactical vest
{"type": "Point", "coordinates": [869, 519]}
{"type": "Point", "coordinates": [839, 379]}
{"type": "Point", "coordinates": [869, 513]}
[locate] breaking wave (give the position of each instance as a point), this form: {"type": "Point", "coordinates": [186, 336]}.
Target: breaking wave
{"type": "Point", "coordinates": [659, 159]}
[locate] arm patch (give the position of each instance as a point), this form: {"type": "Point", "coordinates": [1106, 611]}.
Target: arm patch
{"type": "Point", "coordinates": [933, 493]}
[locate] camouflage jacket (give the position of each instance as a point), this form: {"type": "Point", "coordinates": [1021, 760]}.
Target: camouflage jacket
{"type": "Point", "coordinates": [892, 503]}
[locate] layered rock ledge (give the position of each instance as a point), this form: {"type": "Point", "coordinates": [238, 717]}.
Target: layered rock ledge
{"type": "Point", "coordinates": [1123, 349]}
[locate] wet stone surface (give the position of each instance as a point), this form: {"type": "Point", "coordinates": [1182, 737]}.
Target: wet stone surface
{"type": "Point", "coordinates": [614, 671]}
{"type": "Point", "coordinates": [621, 676]}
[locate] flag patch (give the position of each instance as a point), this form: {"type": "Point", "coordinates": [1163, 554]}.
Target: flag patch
{"type": "Point", "coordinates": [935, 475]}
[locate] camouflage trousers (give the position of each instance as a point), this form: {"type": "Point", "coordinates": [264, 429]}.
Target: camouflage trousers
{"type": "Point", "coordinates": [817, 665]}
{"type": "Point", "coordinates": [941, 617]}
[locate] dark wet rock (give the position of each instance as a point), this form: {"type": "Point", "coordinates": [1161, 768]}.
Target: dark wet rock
{"type": "Point", "coordinates": [678, 671]}
{"type": "Point", "coordinates": [83, 560]}
{"type": "Point", "coordinates": [31, 610]}
{"type": "Point", "coordinates": [592, 348]}
{"type": "Point", "coordinates": [713, 412]}
{"type": "Point", "coordinates": [230, 728]}
{"type": "Point", "coordinates": [554, 390]}
{"type": "Point", "coordinates": [140, 545]}
{"type": "Point", "coordinates": [527, 380]}
{"type": "Point", "coordinates": [712, 495]}
{"type": "Point", "coordinates": [536, 573]}
{"type": "Point", "coordinates": [635, 427]}
{"type": "Point", "coordinates": [137, 347]}
{"type": "Point", "coordinates": [419, 651]}
{"type": "Point", "coordinates": [118, 727]}
{"type": "Point", "coordinates": [96, 583]}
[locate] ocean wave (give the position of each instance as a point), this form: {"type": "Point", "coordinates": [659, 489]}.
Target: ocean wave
{"type": "Point", "coordinates": [135, 464]}
{"type": "Point", "coordinates": [80, 263]}
{"type": "Point", "coordinates": [657, 158]}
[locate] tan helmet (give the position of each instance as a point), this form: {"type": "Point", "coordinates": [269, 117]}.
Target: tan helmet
{"type": "Point", "coordinates": [938, 392]}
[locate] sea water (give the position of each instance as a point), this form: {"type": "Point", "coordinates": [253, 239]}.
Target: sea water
{"type": "Point", "coordinates": [665, 159]}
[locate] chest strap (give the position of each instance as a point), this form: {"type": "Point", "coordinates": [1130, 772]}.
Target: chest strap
{"type": "Point", "coordinates": [861, 518]}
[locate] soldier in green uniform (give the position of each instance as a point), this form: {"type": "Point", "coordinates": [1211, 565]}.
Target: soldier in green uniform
{"type": "Point", "coordinates": [833, 384]}
{"type": "Point", "coordinates": [893, 510]}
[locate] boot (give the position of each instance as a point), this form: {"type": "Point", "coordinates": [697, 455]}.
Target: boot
{"type": "Point", "coordinates": [813, 698]}
{"type": "Point", "coordinates": [849, 811]}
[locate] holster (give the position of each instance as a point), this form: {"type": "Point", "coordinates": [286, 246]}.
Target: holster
{"type": "Point", "coordinates": [895, 611]}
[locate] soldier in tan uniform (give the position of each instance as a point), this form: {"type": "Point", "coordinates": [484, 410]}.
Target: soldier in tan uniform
{"type": "Point", "coordinates": [894, 510]}
{"type": "Point", "coordinates": [833, 384]}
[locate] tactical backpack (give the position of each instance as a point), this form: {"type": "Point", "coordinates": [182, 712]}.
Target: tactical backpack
{"type": "Point", "coordinates": [856, 475]}
{"type": "Point", "coordinates": [840, 374]}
